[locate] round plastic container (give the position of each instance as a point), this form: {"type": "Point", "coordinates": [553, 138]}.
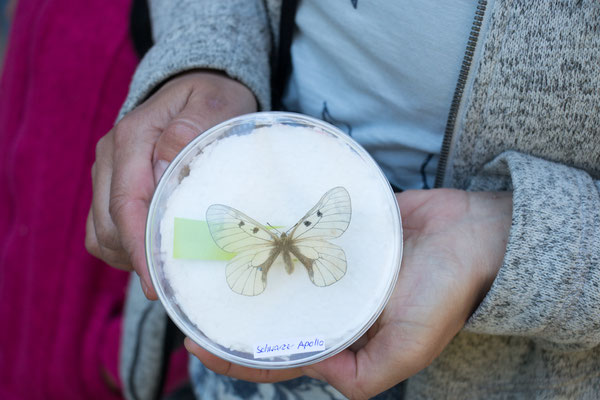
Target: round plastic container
{"type": "Point", "coordinates": [274, 240]}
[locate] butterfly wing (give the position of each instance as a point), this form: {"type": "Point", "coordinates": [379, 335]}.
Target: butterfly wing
{"type": "Point", "coordinates": [325, 262]}
{"type": "Point", "coordinates": [256, 248]}
{"type": "Point", "coordinates": [246, 273]}
{"type": "Point", "coordinates": [328, 219]}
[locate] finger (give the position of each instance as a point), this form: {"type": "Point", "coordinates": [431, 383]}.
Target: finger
{"type": "Point", "coordinates": [177, 134]}
{"type": "Point", "coordinates": [112, 258]}
{"type": "Point", "coordinates": [175, 137]}
{"type": "Point", "coordinates": [175, 112]}
{"type": "Point", "coordinates": [214, 100]}
{"type": "Point", "coordinates": [160, 167]}
{"type": "Point", "coordinates": [102, 239]}
{"type": "Point", "coordinates": [135, 169]}
{"type": "Point", "coordinates": [132, 186]}
{"type": "Point", "coordinates": [184, 128]}
{"type": "Point", "coordinates": [223, 367]}
{"type": "Point", "coordinates": [386, 360]}
{"type": "Point", "coordinates": [411, 200]}
{"type": "Point", "coordinates": [132, 179]}
{"type": "Point", "coordinates": [105, 230]}
{"type": "Point", "coordinates": [350, 376]}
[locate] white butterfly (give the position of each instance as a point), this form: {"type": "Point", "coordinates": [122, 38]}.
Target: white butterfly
{"type": "Point", "coordinates": [257, 247]}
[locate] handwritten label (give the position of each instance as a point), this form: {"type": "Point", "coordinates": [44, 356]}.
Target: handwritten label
{"type": "Point", "coordinates": [288, 347]}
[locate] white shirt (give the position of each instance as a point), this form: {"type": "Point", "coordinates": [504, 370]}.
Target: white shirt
{"type": "Point", "coordinates": [385, 73]}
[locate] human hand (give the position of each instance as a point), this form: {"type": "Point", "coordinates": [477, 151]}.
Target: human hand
{"type": "Point", "coordinates": [133, 155]}
{"type": "Point", "coordinates": [454, 243]}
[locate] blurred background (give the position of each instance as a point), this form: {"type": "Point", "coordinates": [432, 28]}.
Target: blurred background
{"type": "Point", "coordinates": [3, 28]}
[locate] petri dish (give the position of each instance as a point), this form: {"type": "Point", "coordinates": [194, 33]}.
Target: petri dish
{"type": "Point", "coordinates": [274, 240]}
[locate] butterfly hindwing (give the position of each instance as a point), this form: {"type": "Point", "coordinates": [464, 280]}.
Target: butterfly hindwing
{"type": "Point", "coordinates": [246, 273]}
{"type": "Point", "coordinates": [324, 261]}
{"type": "Point", "coordinates": [235, 232]}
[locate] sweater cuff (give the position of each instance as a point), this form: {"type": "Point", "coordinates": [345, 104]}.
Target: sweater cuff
{"type": "Point", "coordinates": [247, 63]}
{"type": "Point", "coordinates": [547, 287]}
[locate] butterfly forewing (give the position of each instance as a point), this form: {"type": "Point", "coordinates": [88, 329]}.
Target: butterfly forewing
{"type": "Point", "coordinates": [328, 219]}
{"type": "Point", "coordinates": [235, 232]}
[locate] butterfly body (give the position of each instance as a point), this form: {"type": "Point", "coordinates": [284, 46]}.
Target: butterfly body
{"type": "Point", "coordinates": [281, 246]}
{"type": "Point", "coordinates": [286, 249]}
{"type": "Point", "coordinates": [257, 248]}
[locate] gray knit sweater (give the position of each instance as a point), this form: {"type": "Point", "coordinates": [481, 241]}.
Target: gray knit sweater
{"type": "Point", "coordinates": [526, 118]}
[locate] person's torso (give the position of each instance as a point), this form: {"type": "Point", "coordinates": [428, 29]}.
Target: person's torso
{"type": "Point", "coordinates": [385, 73]}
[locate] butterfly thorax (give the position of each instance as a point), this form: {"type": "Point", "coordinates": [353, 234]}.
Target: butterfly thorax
{"type": "Point", "coordinates": [285, 244]}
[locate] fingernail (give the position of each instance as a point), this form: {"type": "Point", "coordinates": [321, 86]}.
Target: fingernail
{"type": "Point", "coordinates": [144, 287]}
{"type": "Point", "coordinates": [190, 345]}
{"type": "Point", "coordinates": [159, 168]}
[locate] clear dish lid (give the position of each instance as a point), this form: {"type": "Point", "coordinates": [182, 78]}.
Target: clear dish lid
{"type": "Point", "coordinates": [274, 240]}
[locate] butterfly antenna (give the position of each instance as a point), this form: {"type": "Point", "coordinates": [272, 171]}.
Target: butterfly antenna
{"type": "Point", "coordinates": [272, 227]}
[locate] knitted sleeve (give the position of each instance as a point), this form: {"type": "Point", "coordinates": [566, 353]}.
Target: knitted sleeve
{"type": "Point", "coordinates": [548, 287]}
{"type": "Point", "coordinates": [231, 36]}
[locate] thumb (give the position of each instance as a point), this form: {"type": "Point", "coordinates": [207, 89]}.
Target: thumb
{"type": "Point", "coordinates": [180, 131]}
{"type": "Point", "coordinates": [213, 99]}
{"type": "Point", "coordinates": [176, 135]}
{"type": "Point", "coordinates": [159, 168]}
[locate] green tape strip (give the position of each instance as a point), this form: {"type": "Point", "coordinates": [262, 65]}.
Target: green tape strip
{"type": "Point", "coordinates": [193, 241]}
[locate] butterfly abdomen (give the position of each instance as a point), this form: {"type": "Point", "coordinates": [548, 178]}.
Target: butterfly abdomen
{"type": "Point", "coordinates": [289, 264]}
{"type": "Point", "coordinates": [286, 244]}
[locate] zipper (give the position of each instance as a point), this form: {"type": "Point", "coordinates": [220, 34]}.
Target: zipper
{"type": "Point", "coordinates": [458, 92]}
